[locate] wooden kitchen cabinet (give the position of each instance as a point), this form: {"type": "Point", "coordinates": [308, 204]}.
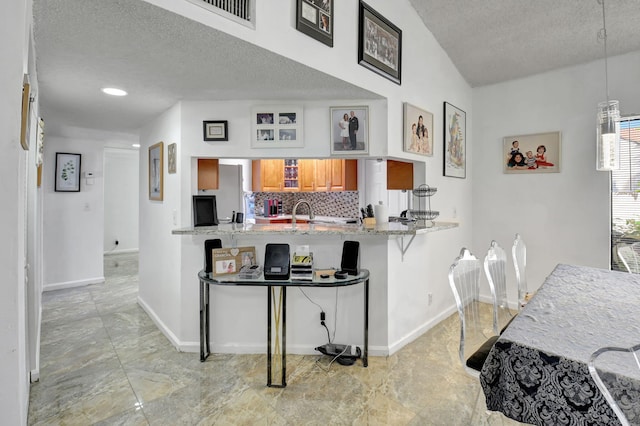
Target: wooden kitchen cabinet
{"type": "Point", "coordinates": [309, 175]}
{"type": "Point", "coordinates": [208, 174]}
{"type": "Point", "coordinates": [267, 175]}
{"type": "Point", "coordinates": [399, 175]}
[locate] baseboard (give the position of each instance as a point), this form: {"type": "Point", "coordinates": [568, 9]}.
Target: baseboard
{"type": "Point", "coordinates": [410, 337]}
{"type": "Point", "coordinates": [71, 284]}
{"type": "Point", "coordinates": [161, 325]}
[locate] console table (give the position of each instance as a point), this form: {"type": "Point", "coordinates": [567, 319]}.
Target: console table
{"type": "Point", "coordinates": [276, 313]}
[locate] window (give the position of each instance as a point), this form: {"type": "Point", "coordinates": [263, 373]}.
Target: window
{"type": "Point", "coordinates": [625, 191]}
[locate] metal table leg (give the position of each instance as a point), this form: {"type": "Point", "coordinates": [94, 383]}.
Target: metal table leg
{"type": "Point", "coordinates": [277, 358]}
{"type": "Point", "coordinates": [204, 321]}
{"type": "Point", "coordinates": [365, 355]}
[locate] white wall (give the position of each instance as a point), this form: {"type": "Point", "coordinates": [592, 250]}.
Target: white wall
{"type": "Point", "coordinates": [429, 78]}
{"type": "Point", "coordinates": [14, 384]}
{"type": "Point", "coordinates": [73, 221]}
{"type": "Point", "coordinates": [121, 198]}
{"type": "Point", "coordinates": [562, 217]}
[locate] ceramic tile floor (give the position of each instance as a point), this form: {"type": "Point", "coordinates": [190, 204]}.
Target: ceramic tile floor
{"type": "Point", "coordinates": [104, 362]}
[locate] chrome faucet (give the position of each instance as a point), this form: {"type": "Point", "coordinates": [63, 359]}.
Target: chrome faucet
{"type": "Point", "coordinates": [295, 208]}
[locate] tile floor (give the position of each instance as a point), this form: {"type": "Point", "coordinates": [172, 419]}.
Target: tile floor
{"type": "Point", "coordinates": [104, 362]}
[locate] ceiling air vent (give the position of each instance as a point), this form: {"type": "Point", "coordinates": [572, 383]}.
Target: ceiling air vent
{"type": "Point", "coordinates": [241, 11]}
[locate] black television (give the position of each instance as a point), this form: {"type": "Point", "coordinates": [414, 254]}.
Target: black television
{"type": "Point", "coordinates": [205, 212]}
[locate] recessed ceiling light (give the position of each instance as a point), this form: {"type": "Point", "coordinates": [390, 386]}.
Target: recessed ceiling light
{"type": "Point", "coordinates": [135, 145]}
{"type": "Point", "coordinates": [113, 91]}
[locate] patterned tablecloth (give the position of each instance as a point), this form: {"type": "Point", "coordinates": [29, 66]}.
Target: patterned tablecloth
{"type": "Point", "coordinates": [537, 372]}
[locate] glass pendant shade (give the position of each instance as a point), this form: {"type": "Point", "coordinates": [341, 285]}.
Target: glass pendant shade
{"type": "Point", "coordinates": [608, 132]}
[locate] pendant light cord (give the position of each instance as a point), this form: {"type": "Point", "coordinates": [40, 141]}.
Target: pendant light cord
{"type": "Point", "coordinates": [602, 34]}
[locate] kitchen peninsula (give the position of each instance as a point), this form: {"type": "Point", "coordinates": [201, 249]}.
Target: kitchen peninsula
{"type": "Point", "coordinates": [394, 253]}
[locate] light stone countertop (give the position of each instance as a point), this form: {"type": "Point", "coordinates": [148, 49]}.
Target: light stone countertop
{"type": "Point", "coordinates": [388, 229]}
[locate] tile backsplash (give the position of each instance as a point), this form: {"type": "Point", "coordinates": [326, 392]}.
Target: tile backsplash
{"type": "Point", "coordinates": [336, 204]}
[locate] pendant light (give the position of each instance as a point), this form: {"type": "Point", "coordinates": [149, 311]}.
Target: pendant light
{"type": "Point", "coordinates": [608, 130]}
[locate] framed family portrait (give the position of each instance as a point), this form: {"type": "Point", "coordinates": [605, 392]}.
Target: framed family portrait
{"type": "Point", "coordinates": [379, 44]}
{"type": "Point", "coordinates": [315, 19]}
{"type": "Point", "coordinates": [215, 130]}
{"type": "Point", "coordinates": [67, 172]}
{"type": "Point", "coordinates": [455, 140]}
{"type": "Point", "coordinates": [349, 130]}
{"type": "Point", "coordinates": [156, 178]}
{"type": "Point", "coordinates": [418, 130]}
{"type": "Point", "coordinates": [536, 153]}
{"type": "Point", "coordinates": [276, 127]}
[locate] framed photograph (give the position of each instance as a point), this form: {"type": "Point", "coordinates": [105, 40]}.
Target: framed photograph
{"type": "Point", "coordinates": [215, 130]}
{"type": "Point", "coordinates": [315, 19]}
{"type": "Point", "coordinates": [537, 153]}
{"type": "Point", "coordinates": [26, 114]}
{"type": "Point", "coordinates": [349, 130]}
{"type": "Point", "coordinates": [171, 157]}
{"type": "Point", "coordinates": [455, 135]}
{"type": "Point", "coordinates": [67, 172]}
{"type": "Point", "coordinates": [379, 44]}
{"type": "Point", "coordinates": [156, 179]}
{"type": "Point", "coordinates": [277, 127]}
{"type": "Point", "coordinates": [229, 260]}
{"type": "Point", "coordinates": [418, 130]}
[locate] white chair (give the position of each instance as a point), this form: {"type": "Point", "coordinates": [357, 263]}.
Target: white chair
{"type": "Point", "coordinates": [464, 278]}
{"type": "Point", "coordinates": [519, 254]}
{"type": "Point", "coordinates": [630, 256]}
{"type": "Point", "coordinates": [616, 372]}
{"type": "Point", "coordinates": [495, 268]}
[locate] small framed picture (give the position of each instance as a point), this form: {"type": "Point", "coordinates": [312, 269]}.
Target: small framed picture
{"type": "Point", "coordinates": [276, 127]}
{"type": "Point", "coordinates": [171, 157]}
{"type": "Point", "coordinates": [315, 19]}
{"type": "Point", "coordinates": [349, 130]}
{"type": "Point", "coordinates": [536, 153]}
{"type": "Point", "coordinates": [156, 178]}
{"type": "Point", "coordinates": [215, 130]}
{"type": "Point", "coordinates": [230, 260]}
{"type": "Point", "coordinates": [67, 172]}
{"type": "Point", "coordinates": [418, 130]}
{"type": "Point", "coordinates": [454, 136]}
{"type": "Point", "coordinates": [379, 44]}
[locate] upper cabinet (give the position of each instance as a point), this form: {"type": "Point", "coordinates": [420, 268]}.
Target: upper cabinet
{"type": "Point", "coordinates": [305, 175]}
{"type": "Point", "coordinates": [208, 173]}
{"type": "Point", "coordinates": [399, 175]}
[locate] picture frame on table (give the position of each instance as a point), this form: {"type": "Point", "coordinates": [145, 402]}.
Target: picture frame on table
{"type": "Point", "coordinates": [215, 130]}
{"type": "Point", "coordinates": [156, 169]}
{"type": "Point", "coordinates": [230, 260]}
{"type": "Point", "coordinates": [418, 130]}
{"type": "Point", "coordinates": [349, 130]}
{"type": "Point", "coordinates": [315, 19]}
{"type": "Point", "coordinates": [278, 126]}
{"type": "Point", "coordinates": [454, 141]}
{"type": "Point", "coordinates": [68, 168]}
{"type": "Point", "coordinates": [534, 153]}
{"type": "Point", "coordinates": [379, 44]}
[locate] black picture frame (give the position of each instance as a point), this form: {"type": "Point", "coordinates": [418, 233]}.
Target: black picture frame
{"type": "Point", "coordinates": [315, 19]}
{"type": "Point", "coordinates": [454, 136]}
{"type": "Point", "coordinates": [68, 169]}
{"type": "Point", "coordinates": [215, 130]}
{"type": "Point", "coordinates": [379, 44]}
{"type": "Point", "coordinates": [205, 211]}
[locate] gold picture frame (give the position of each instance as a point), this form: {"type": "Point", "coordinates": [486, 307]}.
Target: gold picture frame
{"type": "Point", "coordinates": [156, 168]}
{"type": "Point", "coordinates": [26, 114]}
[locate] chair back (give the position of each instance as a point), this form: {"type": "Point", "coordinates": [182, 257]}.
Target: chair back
{"type": "Point", "coordinates": [616, 372]}
{"type": "Point", "coordinates": [464, 278]}
{"type": "Point", "coordinates": [630, 256]}
{"type": "Point", "coordinates": [495, 264]}
{"type": "Point", "coordinates": [519, 254]}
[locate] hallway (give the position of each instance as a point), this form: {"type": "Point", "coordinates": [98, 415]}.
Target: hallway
{"type": "Point", "coordinates": [103, 361]}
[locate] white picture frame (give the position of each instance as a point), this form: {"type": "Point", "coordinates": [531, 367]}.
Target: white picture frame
{"type": "Point", "coordinates": [279, 126]}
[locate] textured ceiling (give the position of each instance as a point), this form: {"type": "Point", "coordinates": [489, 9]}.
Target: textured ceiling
{"type": "Point", "coordinates": [491, 41]}
{"type": "Point", "coordinates": [162, 58]}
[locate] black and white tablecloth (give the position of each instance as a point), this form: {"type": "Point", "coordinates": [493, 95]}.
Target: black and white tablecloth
{"type": "Point", "coordinates": [538, 370]}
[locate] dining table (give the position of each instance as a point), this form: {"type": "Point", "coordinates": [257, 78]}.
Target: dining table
{"type": "Point", "coordinates": [537, 372]}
